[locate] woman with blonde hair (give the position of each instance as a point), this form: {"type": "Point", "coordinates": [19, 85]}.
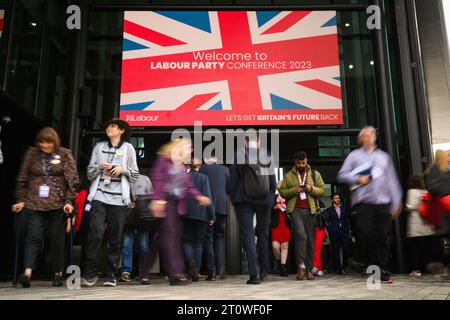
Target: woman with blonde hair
{"type": "Point", "coordinates": [438, 185]}
{"type": "Point", "coordinates": [46, 186]}
{"type": "Point", "coordinates": [171, 186]}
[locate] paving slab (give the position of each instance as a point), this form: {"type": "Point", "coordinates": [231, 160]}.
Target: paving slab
{"type": "Point", "coordinates": [329, 287]}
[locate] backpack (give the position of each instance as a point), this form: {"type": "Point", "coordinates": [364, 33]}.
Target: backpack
{"type": "Point", "coordinates": [256, 179]}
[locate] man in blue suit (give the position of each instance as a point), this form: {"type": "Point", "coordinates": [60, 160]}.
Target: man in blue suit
{"type": "Point", "coordinates": [339, 231]}
{"type": "Point", "coordinates": [214, 246]}
{"type": "Point", "coordinates": [196, 222]}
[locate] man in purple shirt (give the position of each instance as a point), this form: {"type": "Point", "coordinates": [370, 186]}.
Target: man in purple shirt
{"type": "Point", "coordinates": [376, 197]}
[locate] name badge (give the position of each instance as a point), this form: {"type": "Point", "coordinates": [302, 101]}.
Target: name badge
{"type": "Point", "coordinates": [107, 180]}
{"type": "Point", "coordinates": [302, 196]}
{"type": "Point", "coordinates": [44, 191]}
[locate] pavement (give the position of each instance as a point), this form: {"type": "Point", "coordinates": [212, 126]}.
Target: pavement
{"type": "Point", "coordinates": [328, 287]}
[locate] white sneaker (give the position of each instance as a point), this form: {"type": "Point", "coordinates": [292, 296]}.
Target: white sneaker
{"type": "Point", "coordinates": [320, 273]}
{"type": "Point", "coordinates": [111, 281]}
{"type": "Point", "coordinates": [89, 282]}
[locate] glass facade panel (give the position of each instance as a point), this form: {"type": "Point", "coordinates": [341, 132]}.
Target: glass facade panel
{"type": "Point", "coordinates": [24, 64]}
{"type": "Point", "coordinates": [5, 27]}
{"type": "Point", "coordinates": [55, 66]}
{"type": "Point", "coordinates": [103, 66]}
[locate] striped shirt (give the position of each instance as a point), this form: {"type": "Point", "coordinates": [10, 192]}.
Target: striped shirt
{"type": "Point", "coordinates": [109, 190]}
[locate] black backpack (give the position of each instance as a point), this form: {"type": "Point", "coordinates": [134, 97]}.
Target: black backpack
{"type": "Point", "coordinates": [256, 179]}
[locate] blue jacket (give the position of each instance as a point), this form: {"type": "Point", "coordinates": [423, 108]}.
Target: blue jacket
{"type": "Point", "coordinates": [336, 224]}
{"type": "Point", "coordinates": [219, 180]}
{"type": "Point", "coordinates": [237, 187]}
{"type": "Point", "coordinates": [194, 210]}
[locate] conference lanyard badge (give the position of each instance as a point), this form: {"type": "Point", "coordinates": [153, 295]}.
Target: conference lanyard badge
{"type": "Point", "coordinates": [44, 191]}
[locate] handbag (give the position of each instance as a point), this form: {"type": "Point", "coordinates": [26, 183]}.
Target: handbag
{"type": "Point", "coordinates": [143, 209]}
{"type": "Point", "coordinates": [144, 216]}
{"type": "Point", "coordinates": [320, 216]}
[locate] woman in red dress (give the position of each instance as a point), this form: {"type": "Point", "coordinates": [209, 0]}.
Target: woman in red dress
{"type": "Point", "coordinates": [281, 234]}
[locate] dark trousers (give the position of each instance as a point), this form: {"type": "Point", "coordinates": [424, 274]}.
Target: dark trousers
{"type": "Point", "coordinates": [114, 218]}
{"type": "Point", "coordinates": [168, 243]}
{"type": "Point", "coordinates": [374, 225]}
{"type": "Point", "coordinates": [194, 232]}
{"type": "Point", "coordinates": [37, 222]}
{"type": "Point", "coordinates": [339, 240]}
{"type": "Point", "coordinates": [420, 251]}
{"type": "Point", "coordinates": [150, 257]}
{"type": "Point", "coordinates": [257, 255]}
{"type": "Point", "coordinates": [214, 245]}
{"type": "Point", "coordinates": [304, 234]}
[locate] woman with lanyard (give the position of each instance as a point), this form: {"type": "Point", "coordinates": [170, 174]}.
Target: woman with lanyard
{"type": "Point", "coordinates": [46, 186]}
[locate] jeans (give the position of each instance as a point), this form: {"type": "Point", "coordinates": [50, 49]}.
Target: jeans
{"type": "Point", "coordinates": [192, 244]}
{"type": "Point", "coordinates": [129, 237]}
{"type": "Point", "coordinates": [214, 245]}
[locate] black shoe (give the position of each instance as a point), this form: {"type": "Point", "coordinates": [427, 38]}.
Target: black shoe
{"type": "Point", "coordinates": [386, 271]}
{"type": "Point", "coordinates": [58, 281]}
{"type": "Point", "coordinates": [277, 267]}
{"type": "Point", "coordinates": [253, 280]}
{"type": "Point", "coordinates": [176, 281]}
{"type": "Point", "coordinates": [283, 271]}
{"type": "Point", "coordinates": [386, 277]}
{"type": "Point", "coordinates": [110, 281]}
{"type": "Point", "coordinates": [211, 278]}
{"type": "Point", "coordinates": [24, 281]}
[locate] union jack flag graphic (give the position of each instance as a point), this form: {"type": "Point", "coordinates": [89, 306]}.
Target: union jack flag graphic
{"type": "Point", "coordinates": [230, 68]}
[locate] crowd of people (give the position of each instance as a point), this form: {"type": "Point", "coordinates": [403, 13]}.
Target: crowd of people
{"type": "Point", "coordinates": [179, 212]}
